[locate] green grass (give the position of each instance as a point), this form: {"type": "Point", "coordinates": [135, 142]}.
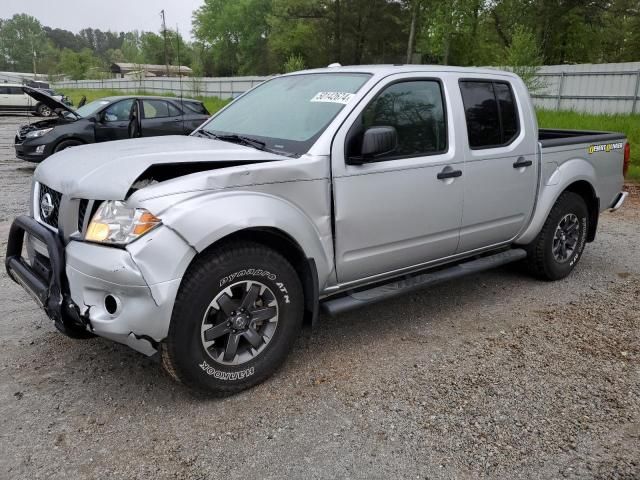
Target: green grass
{"type": "Point", "coordinates": [213, 104]}
{"type": "Point", "coordinates": [627, 124]}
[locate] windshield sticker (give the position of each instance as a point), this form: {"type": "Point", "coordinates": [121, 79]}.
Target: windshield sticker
{"type": "Point", "coordinates": [607, 147]}
{"type": "Point", "coordinates": [332, 97]}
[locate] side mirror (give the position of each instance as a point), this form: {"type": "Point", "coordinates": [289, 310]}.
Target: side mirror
{"type": "Point", "coordinates": [376, 141]}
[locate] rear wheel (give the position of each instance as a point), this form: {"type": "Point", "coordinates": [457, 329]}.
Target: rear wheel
{"type": "Point", "coordinates": [558, 247]}
{"type": "Point", "coordinates": [66, 144]}
{"type": "Point", "coordinates": [237, 315]}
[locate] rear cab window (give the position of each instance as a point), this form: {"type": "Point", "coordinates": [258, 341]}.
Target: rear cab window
{"type": "Point", "coordinates": [491, 113]}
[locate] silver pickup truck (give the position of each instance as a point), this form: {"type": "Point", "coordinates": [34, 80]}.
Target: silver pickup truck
{"type": "Point", "coordinates": [326, 189]}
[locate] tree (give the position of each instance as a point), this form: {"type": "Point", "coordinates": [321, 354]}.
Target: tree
{"type": "Point", "coordinates": [237, 33]}
{"type": "Point", "coordinates": [524, 57]}
{"type": "Point", "coordinates": [22, 43]}
{"type": "Point", "coordinates": [78, 65]}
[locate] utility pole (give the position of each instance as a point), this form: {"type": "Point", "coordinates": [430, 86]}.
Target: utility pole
{"type": "Point", "coordinates": [33, 50]}
{"type": "Point", "coordinates": [164, 33]}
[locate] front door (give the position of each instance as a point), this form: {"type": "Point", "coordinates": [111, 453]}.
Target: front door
{"type": "Point", "coordinates": [404, 208]}
{"type": "Point", "coordinates": [113, 122]}
{"type": "Point", "coordinates": [501, 168]}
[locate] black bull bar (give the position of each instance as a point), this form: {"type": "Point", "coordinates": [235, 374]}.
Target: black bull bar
{"type": "Point", "coordinates": [49, 288]}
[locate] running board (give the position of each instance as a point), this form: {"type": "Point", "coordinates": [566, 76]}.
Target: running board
{"type": "Point", "coordinates": [394, 289]}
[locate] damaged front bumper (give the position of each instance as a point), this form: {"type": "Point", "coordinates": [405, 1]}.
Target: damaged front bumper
{"type": "Point", "coordinates": [123, 294]}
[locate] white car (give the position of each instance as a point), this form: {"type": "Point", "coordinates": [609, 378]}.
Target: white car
{"type": "Point", "coordinates": [13, 99]}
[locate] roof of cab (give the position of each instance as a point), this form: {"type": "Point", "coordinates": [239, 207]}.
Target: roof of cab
{"type": "Point", "coordinates": [384, 70]}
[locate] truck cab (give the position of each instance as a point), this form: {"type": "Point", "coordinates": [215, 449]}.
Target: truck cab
{"type": "Point", "coordinates": [325, 189]}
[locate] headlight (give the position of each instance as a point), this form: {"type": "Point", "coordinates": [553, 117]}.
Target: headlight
{"type": "Point", "coordinates": [118, 224]}
{"type": "Point", "coordinates": [38, 133]}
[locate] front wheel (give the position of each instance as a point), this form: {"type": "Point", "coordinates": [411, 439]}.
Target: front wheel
{"type": "Point", "coordinates": [66, 144]}
{"type": "Point", "coordinates": [236, 316]}
{"type": "Point", "coordinates": [558, 247]}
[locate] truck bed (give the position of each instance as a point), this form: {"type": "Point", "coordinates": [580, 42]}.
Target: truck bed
{"type": "Point", "coordinates": [549, 137]}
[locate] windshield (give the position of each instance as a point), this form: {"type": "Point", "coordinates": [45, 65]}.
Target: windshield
{"type": "Point", "coordinates": [91, 108]}
{"type": "Point", "coordinates": [288, 113]}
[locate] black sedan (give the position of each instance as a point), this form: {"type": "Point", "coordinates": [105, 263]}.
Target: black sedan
{"type": "Point", "coordinates": [111, 118]}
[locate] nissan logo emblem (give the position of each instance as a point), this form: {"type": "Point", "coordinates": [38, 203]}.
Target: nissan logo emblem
{"type": "Point", "coordinates": [46, 205]}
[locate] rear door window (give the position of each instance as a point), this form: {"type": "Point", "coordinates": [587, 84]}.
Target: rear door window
{"type": "Point", "coordinates": [155, 108]}
{"type": "Point", "coordinates": [196, 107]}
{"type": "Point", "coordinates": [490, 112]}
{"type": "Point", "coordinates": [173, 110]}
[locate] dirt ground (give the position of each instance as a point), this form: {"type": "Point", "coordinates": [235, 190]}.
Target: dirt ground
{"type": "Point", "coordinates": [493, 376]}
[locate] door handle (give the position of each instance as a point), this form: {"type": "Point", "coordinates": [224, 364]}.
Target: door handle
{"type": "Point", "coordinates": [444, 174]}
{"type": "Point", "coordinates": [521, 163]}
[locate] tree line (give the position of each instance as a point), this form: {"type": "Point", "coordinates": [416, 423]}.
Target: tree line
{"type": "Point", "coordinates": [259, 37]}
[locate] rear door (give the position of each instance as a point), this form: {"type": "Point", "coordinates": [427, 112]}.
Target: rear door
{"type": "Point", "coordinates": [160, 117]}
{"type": "Point", "coordinates": [4, 99]}
{"type": "Point", "coordinates": [113, 123]}
{"type": "Point", "coordinates": [195, 114]}
{"type": "Point", "coordinates": [501, 168]}
{"type": "Point", "coordinates": [395, 212]}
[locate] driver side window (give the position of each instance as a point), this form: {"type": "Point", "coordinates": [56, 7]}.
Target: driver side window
{"type": "Point", "coordinates": [415, 109]}
{"type": "Point", "coordinates": [119, 111]}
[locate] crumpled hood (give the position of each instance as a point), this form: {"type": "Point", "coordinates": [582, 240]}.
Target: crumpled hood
{"type": "Point", "coordinates": [106, 171]}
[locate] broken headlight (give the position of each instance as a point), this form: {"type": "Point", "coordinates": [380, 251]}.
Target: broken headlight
{"type": "Point", "coordinates": [118, 224]}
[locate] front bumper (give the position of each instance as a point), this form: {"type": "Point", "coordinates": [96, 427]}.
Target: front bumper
{"type": "Point", "coordinates": [84, 281]}
{"type": "Point", "coordinates": [46, 288]}
{"type": "Point", "coordinates": [35, 153]}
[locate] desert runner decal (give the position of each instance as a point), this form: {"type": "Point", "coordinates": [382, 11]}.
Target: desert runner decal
{"type": "Point", "coordinates": [332, 97]}
{"type": "Point", "coordinates": [605, 147]}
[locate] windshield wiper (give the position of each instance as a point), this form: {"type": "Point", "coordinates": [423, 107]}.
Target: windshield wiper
{"type": "Point", "coordinates": [241, 139]}
{"type": "Point", "coordinates": [204, 133]}
{"type": "Point", "coordinates": [233, 138]}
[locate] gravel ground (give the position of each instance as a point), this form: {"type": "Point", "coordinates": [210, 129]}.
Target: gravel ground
{"type": "Point", "coordinates": [493, 376]}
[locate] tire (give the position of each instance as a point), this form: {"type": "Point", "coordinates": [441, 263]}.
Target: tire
{"type": "Point", "coordinates": [43, 110]}
{"type": "Point", "coordinates": [547, 259]}
{"type": "Point", "coordinates": [66, 144]}
{"type": "Point", "coordinates": [233, 271]}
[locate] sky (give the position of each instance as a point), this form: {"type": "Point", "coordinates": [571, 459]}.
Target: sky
{"type": "Point", "coordinates": [114, 15]}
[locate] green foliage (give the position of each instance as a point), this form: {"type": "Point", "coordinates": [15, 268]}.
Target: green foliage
{"type": "Point", "coordinates": [294, 63]}
{"type": "Point", "coordinates": [22, 40]}
{"type": "Point", "coordinates": [258, 37]}
{"type": "Point", "coordinates": [628, 124]}
{"type": "Point", "coordinates": [78, 66]}
{"type": "Point", "coordinates": [523, 57]}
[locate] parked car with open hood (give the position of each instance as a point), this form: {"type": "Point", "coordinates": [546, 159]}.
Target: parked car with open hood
{"type": "Point", "coordinates": [110, 118]}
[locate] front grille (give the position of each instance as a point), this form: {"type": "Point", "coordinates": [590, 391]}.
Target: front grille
{"type": "Point", "coordinates": [49, 205]}
{"type": "Point", "coordinates": [82, 211]}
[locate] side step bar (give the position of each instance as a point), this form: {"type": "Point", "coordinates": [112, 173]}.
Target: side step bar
{"type": "Point", "coordinates": [357, 299]}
